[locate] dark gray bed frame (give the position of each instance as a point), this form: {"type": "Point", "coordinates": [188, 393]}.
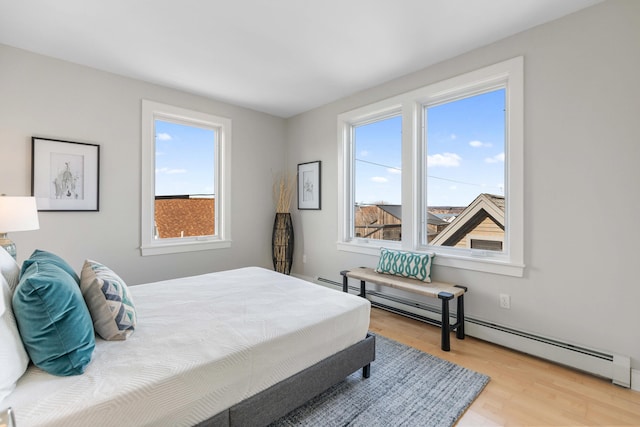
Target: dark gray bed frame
{"type": "Point", "coordinates": [285, 396]}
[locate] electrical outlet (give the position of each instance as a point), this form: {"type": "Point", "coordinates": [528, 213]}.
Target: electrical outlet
{"type": "Point", "coordinates": [304, 258]}
{"type": "Point", "coordinates": [505, 301]}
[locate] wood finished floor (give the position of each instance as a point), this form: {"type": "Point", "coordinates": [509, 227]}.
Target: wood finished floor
{"type": "Point", "coordinates": [524, 390]}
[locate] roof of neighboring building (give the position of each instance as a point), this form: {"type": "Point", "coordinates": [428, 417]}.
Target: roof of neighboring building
{"type": "Point", "coordinates": [396, 211]}
{"type": "Point", "coordinates": [182, 217]}
{"type": "Point", "coordinates": [435, 220]}
{"type": "Point", "coordinates": [483, 205]}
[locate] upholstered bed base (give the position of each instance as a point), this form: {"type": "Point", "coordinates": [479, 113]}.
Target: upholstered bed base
{"type": "Point", "coordinates": [281, 398]}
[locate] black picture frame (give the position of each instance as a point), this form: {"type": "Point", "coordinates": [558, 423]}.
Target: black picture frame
{"type": "Point", "coordinates": [65, 175]}
{"type": "Point", "coordinates": [309, 185]}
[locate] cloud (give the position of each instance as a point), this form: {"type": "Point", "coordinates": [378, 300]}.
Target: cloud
{"type": "Point", "coordinates": [453, 136]}
{"type": "Point", "coordinates": [479, 144]}
{"type": "Point", "coordinates": [395, 171]}
{"type": "Point", "coordinates": [364, 153]}
{"type": "Point", "coordinates": [498, 158]}
{"type": "Point", "coordinates": [169, 171]}
{"type": "Point", "coordinates": [163, 136]}
{"type": "Point", "coordinates": [379, 179]}
{"type": "Point", "coordinates": [445, 159]}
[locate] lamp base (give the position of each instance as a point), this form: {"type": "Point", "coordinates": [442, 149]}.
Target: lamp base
{"type": "Point", "coordinates": [8, 245]}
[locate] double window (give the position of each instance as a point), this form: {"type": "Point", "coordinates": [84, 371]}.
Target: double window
{"type": "Point", "coordinates": [185, 180]}
{"type": "Point", "coordinates": [439, 169]}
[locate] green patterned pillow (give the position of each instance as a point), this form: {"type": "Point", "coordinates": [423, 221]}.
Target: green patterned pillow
{"type": "Point", "coordinates": [406, 264]}
{"type": "Point", "coordinates": [109, 301]}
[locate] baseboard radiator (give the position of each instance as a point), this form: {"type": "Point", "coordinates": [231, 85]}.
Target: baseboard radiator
{"type": "Point", "coordinates": [615, 367]}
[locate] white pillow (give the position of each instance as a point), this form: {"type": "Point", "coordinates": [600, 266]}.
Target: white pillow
{"type": "Point", "coordinates": [13, 357]}
{"type": "Point", "coordinates": [9, 268]}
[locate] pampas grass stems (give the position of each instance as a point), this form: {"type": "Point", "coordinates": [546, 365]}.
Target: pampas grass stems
{"type": "Point", "coordinates": [283, 192]}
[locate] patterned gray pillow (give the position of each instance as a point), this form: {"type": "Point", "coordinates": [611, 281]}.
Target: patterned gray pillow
{"type": "Point", "coordinates": [109, 301]}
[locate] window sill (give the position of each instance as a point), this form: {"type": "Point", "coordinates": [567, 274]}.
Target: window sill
{"type": "Point", "coordinates": [485, 265]}
{"type": "Point", "coordinates": [174, 247]}
{"type": "Point", "coordinates": [480, 263]}
{"type": "Point", "coordinates": [367, 247]}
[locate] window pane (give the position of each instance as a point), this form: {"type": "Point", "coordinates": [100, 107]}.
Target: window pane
{"type": "Point", "coordinates": [184, 180]}
{"type": "Point", "coordinates": [377, 179]}
{"type": "Point", "coordinates": [466, 171]}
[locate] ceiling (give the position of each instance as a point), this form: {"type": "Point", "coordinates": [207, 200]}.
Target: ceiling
{"type": "Point", "coordinates": [282, 57]}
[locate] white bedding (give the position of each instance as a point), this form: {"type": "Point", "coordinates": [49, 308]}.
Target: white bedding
{"type": "Point", "coordinates": [202, 344]}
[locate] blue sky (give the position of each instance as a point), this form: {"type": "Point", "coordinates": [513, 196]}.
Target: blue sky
{"type": "Point", "coordinates": [184, 159]}
{"type": "Point", "coordinates": [465, 153]}
{"type": "Point", "coordinates": [378, 165]}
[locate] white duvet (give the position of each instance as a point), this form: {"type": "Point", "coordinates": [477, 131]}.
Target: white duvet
{"type": "Point", "coordinates": [201, 344]}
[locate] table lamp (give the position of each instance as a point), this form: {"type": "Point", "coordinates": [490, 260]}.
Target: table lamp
{"type": "Point", "coordinates": [16, 214]}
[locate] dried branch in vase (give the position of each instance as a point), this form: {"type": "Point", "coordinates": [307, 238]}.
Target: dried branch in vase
{"type": "Point", "coordinates": [283, 192]}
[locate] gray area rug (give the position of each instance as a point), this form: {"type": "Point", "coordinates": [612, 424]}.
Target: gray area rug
{"type": "Point", "coordinates": [407, 388]}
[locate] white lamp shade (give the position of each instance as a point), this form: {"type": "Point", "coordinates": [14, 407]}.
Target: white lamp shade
{"type": "Point", "coordinates": [18, 214]}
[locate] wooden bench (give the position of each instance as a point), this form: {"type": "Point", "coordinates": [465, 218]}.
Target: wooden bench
{"type": "Point", "coordinates": [443, 291]}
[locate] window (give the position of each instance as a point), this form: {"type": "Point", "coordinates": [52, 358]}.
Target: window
{"type": "Point", "coordinates": [465, 158]}
{"type": "Point", "coordinates": [457, 156]}
{"type": "Point", "coordinates": [377, 165]}
{"type": "Point", "coordinates": [185, 180]}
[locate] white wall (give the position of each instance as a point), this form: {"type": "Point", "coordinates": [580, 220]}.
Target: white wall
{"type": "Point", "coordinates": [582, 156]}
{"type": "Point", "coordinates": [41, 96]}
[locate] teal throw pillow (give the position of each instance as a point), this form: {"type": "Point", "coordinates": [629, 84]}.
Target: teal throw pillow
{"type": "Point", "coordinates": [53, 320]}
{"type": "Point", "coordinates": [406, 264]}
{"type": "Point", "coordinates": [48, 257]}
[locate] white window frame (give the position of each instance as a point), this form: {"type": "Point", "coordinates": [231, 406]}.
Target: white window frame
{"type": "Point", "coordinates": [152, 111]}
{"type": "Point", "coordinates": [508, 74]}
{"type": "Point", "coordinates": [347, 124]}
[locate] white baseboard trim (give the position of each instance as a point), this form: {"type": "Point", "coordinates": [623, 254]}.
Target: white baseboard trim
{"type": "Point", "coordinates": [597, 362]}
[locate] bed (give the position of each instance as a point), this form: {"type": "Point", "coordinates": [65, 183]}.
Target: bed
{"type": "Point", "coordinates": [239, 347]}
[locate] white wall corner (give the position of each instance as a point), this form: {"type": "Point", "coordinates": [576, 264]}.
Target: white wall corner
{"type": "Point", "coordinates": [621, 374]}
{"type": "Point", "coordinates": [303, 277]}
{"type": "Point", "coordinates": [635, 379]}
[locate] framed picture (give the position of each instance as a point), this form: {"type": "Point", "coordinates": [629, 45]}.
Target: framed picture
{"type": "Point", "coordinates": [65, 175]}
{"type": "Point", "coordinates": [309, 185]}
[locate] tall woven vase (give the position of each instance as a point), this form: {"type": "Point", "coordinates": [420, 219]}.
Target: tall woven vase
{"type": "Point", "coordinates": [282, 243]}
